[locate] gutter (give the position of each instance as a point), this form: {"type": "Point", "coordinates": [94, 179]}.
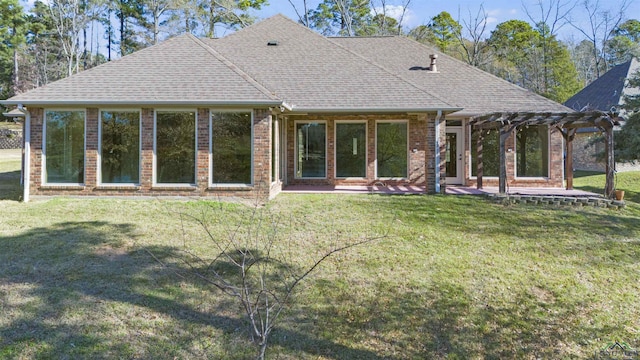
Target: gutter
{"type": "Point", "coordinates": [370, 110]}
{"type": "Point", "coordinates": [206, 103]}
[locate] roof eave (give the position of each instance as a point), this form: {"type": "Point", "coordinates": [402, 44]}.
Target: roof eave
{"type": "Point", "coordinates": [308, 110]}
{"type": "Point", "coordinates": [208, 103]}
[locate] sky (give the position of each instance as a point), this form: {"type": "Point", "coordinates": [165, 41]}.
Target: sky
{"type": "Point", "coordinates": [421, 11]}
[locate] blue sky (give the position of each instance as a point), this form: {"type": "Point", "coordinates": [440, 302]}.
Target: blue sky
{"type": "Point", "coordinates": [421, 11]}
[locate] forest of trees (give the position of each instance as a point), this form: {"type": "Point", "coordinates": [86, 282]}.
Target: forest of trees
{"type": "Point", "coordinates": [54, 39]}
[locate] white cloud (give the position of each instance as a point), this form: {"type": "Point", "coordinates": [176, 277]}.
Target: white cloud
{"type": "Point", "coordinates": [395, 11]}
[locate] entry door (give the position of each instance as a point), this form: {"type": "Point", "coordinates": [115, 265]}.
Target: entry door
{"type": "Point", "coordinates": [454, 155]}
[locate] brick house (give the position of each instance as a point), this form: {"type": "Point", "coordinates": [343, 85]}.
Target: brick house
{"type": "Point", "coordinates": [272, 105]}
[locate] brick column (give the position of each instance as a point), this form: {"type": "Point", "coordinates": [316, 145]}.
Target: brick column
{"type": "Point", "coordinates": [91, 149]}
{"type": "Point", "coordinates": [417, 149]}
{"type": "Point", "coordinates": [204, 137]}
{"type": "Point", "coordinates": [37, 120]}
{"type": "Point", "coordinates": [262, 152]}
{"type": "Point", "coordinates": [146, 156]}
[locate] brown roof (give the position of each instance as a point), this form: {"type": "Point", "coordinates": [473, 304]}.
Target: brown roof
{"type": "Point", "coordinates": [180, 70]}
{"type": "Point", "coordinates": [477, 91]}
{"type": "Point", "coordinates": [312, 73]}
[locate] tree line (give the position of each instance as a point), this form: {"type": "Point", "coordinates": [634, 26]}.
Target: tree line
{"type": "Point", "coordinates": [55, 39]}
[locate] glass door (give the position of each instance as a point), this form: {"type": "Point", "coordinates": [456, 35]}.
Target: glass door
{"type": "Point", "coordinates": [453, 157]}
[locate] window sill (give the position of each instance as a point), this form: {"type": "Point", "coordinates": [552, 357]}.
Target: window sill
{"type": "Point", "coordinates": [62, 187]}
{"type": "Point", "coordinates": [179, 187]}
{"type": "Point", "coordinates": [118, 187]}
{"type": "Point", "coordinates": [230, 188]}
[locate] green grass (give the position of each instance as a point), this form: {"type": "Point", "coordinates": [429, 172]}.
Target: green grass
{"type": "Point", "coordinates": [594, 182]}
{"type": "Point", "coordinates": [456, 277]}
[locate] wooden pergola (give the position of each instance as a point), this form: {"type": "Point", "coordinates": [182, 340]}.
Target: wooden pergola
{"type": "Point", "coordinates": [567, 123]}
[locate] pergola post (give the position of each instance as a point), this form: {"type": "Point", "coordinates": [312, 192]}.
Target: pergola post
{"type": "Point", "coordinates": [568, 138]}
{"type": "Point", "coordinates": [479, 159]}
{"type": "Point", "coordinates": [504, 135]}
{"type": "Point", "coordinates": [610, 165]}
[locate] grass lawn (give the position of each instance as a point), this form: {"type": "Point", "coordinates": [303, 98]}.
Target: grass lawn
{"type": "Point", "coordinates": [457, 277]}
{"type": "Point", "coordinates": [594, 181]}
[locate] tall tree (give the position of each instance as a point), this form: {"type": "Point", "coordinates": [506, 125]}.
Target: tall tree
{"type": "Point", "coordinates": [474, 47]}
{"type": "Point", "coordinates": [444, 31]}
{"type": "Point", "coordinates": [624, 44]}
{"type": "Point", "coordinates": [514, 44]}
{"type": "Point", "coordinates": [12, 39]}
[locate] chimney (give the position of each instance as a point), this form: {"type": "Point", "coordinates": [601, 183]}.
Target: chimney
{"type": "Point", "coordinates": [433, 66]}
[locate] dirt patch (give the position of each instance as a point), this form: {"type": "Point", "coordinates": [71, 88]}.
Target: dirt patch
{"type": "Point", "coordinates": [543, 295]}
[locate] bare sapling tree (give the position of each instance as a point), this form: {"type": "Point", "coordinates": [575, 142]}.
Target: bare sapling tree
{"type": "Point", "coordinates": [599, 30]}
{"type": "Point", "coordinates": [256, 260]}
{"type": "Point", "coordinates": [474, 48]}
{"type": "Point", "coordinates": [303, 14]}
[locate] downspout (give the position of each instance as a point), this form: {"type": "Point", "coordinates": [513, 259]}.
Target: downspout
{"type": "Point", "coordinates": [437, 150]}
{"type": "Point", "coordinates": [27, 153]}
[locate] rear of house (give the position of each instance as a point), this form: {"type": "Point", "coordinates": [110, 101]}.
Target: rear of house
{"type": "Point", "coordinates": [273, 105]}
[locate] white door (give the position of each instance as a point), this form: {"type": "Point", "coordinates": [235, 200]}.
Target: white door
{"type": "Point", "coordinates": [453, 157]}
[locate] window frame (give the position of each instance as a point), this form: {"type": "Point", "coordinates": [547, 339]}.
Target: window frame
{"type": "Point", "coordinates": [326, 149]}
{"type": "Point", "coordinates": [407, 150]}
{"type": "Point", "coordinates": [211, 164]}
{"type": "Point", "coordinates": [99, 164]}
{"type": "Point", "coordinates": [366, 148]}
{"type": "Point", "coordinates": [154, 174]}
{"type": "Point", "coordinates": [44, 147]}
{"type": "Point", "coordinates": [515, 157]}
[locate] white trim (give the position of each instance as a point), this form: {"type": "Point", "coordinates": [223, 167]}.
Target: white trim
{"type": "Point", "coordinates": [99, 162]}
{"type": "Point", "coordinates": [43, 171]}
{"type": "Point", "coordinates": [437, 149]}
{"type": "Point", "coordinates": [275, 149]}
{"type": "Point", "coordinates": [154, 175]}
{"type": "Point", "coordinates": [211, 184]}
{"type": "Point", "coordinates": [295, 149]}
{"type": "Point", "coordinates": [366, 147]}
{"type": "Point", "coordinates": [376, 150]}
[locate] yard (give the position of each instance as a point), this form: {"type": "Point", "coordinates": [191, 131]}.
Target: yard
{"type": "Point", "coordinates": [455, 277]}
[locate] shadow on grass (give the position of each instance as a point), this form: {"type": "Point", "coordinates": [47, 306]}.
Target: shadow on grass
{"type": "Point", "coordinates": [77, 290]}
{"type": "Point", "coordinates": [10, 188]}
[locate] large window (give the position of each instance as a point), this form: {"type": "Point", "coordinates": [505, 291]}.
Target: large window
{"type": "Point", "coordinates": [64, 147]}
{"type": "Point", "coordinates": [120, 147]}
{"type": "Point", "coordinates": [490, 153]}
{"type": "Point", "coordinates": [175, 147]}
{"type": "Point", "coordinates": [311, 139]}
{"type": "Point", "coordinates": [231, 147]}
{"type": "Point", "coordinates": [391, 149]}
{"type": "Point", "coordinates": [351, 150]}
{"type": "Point", "coordinates": [532, 149]}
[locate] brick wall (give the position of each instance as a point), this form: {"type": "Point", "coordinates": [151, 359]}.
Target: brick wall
{"type": "Point", "coordinates": [261, 189]}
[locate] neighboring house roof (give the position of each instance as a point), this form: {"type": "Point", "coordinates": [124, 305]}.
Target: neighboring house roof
{"type": "Point", "coordinates": [607, 92]}
{"type": "Point", "coordinates": [478, 92]}
{"type": "Point", "coordinates": [180, 70]}
{"type": "Point", "coordinates": [312, 73]}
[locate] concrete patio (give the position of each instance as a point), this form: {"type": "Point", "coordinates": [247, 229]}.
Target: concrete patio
{"type": "Point", "coordinates": [451, 189]}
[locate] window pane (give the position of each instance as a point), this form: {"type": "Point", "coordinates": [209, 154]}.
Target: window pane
{"type": "Point", "coordinates": [312, 151]}
{"type": "Point", "coordinates": [274, 148]}
{"type": "Point", "coordinates": [532, 148]}
{"type": "Point", "coordinates": [175, 147]}
{"type": "Point", "coordinates": [391, 150]}
{"type": "Point", "coordinates": [490, 153]}
{"type": "Point", "coordinates": [64, 147]}
{"type": "Point", "coordinates": [351, 150]}
{"type": "Point", "coordinates": [120, 147]}
{"type": "Point", "coordinates": [231, 149]}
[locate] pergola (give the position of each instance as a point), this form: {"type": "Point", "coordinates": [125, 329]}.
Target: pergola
{"type": "Point", "coordinates": [567, 123]}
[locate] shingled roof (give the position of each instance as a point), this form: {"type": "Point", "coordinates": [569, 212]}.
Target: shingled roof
{"type": "Point", "coordinates": [607, 92]}
{"type": "Point", "coordinates": [477, 91]}
{"type": "Point", "coordinates": [312, 73]}
{"type": "Point", "coordinates": [181, 70]}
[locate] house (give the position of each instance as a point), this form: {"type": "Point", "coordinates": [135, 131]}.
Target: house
{"type": "Point", "coordinates": [276, 104]}
{"type": "Point", "coordinates": [604, 94]}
